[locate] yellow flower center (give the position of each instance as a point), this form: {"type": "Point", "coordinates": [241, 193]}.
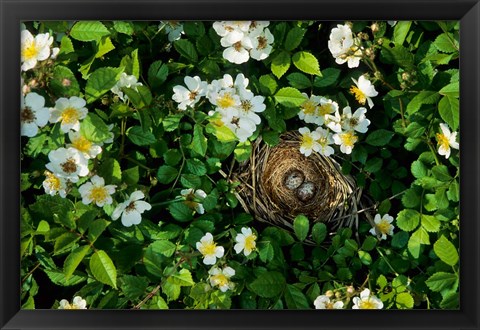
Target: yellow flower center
{"type": "Point", "coordinates": [307, 141]}
{"type": "Point", "coordinates": [68, 306]}
{"type": "Point", "coordinates": [322, 141]}
{"type": "Point", "coordinates": [52, 181]}
{"type": "Point", "coordinates": [220, 280]}
{"type": "Point", "coordinates": [250, 242]}
{"type": "Point", "coordinates": [359, 95]}
{"type": "Point", "coordinates": [29, 51]}
{"type": "Point", "coordinates": [192, 95]}
{"type": "Point", "coordinates": [208, 248]}
{"type": "Point", "coordinates": [246, 106]}
{"type": "Point", "coordinates": [225, 101]}
{"type": "Point", "coordinates": [348, 139]}
{"type": "Point", "coordinates": [98, 194]}
{"type": "Point", "coordinates": [329, 305]}
{"type": "Point", "coordinates": [384, 227]}
{"type": "Point", "coordinates": [367, 304]}
{"type": "Point", "coordinates": [70, 115]}
{"type": "Point", "coordinates": [309, 107]}
{"type": "Point", "coordinates": [325, 109]}
{"type": "Point", "coordinates": [443, 141]}
{"type": "Point", "coordinates": [82, 144]}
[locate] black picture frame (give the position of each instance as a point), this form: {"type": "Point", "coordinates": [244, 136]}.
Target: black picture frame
{"type": "Point", "coordinates": [12, 12]}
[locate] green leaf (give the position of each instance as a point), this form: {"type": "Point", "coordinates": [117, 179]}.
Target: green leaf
{"type": "Point", "coordinates": [131, 64]}
{"type": "Point", "coordinates": [379, 137]}
{"type": "Point", "coordinates": [306, 62]}
{"type": "Point", "coordinates": [414, 246]}
{"type": "Point", "coordinates": [131, 176]}
{"type": "Point", "coordinates": [404, 300]}
{"type": "Point", "coordinates": [64, 243]}
{"type": "Point", "coordinates": [268, 284]}
{"type": "Point", "coordinates": [418, 169]}
{"type": "Point", "coordinates": [186, 49]}
{"type": "Point", "coordinates": [319, 232]}
{"type": "Point", "coordinates": [103, 269]}
{"type": "Point", "coordinates": [171, 290]}
{"type": "Point", "coordinates": [280, 64]}
{"type": "Point", "coordinates": [299, 80]}
{"type": "Point", "coordinates": [138, 136]}
{"type": "Point", "coordinates": [452, 90]}
{"type": "Point", "coordinates": [96, 228]}
{"type": "Point", "coordinates": [408, 220]}
{"type": "Point", "coordinates": [180, 212]}
{"type": "Point", "coordinates": [421, 236]}
{"type": "Point", "coordinates": [104, 47]}
{"type": "Point", "coordinates": [265, 252]}
{"type": "Point", "coordinates": [66, 45]}
{"type": "Point", "coordinates": [441, 198]}
{"type": "Point", "coordinates": [190, 181]}
{"type": "Point", "coordinates": [400, 239]}
{"type": "Point", "coordinates": [369, 243]}
{"type": "Point", "coordinates": [441, 281]}
{"type": "Point", "coordinates": [271, 138]}
{"type": "Point", "coordinates": [294, 38]}
{"type": "Point", "coordinates": [110, 170]}
{"type": "Point", "coordinates": [222, 133]}
{"type": "Point", "coordinates": [453, 192]}
{"type": "Point", "coordinates": [423, 97]}
{"type": "Point", "coordinates": [268, 84]}
{"type": "Point", "coordinates": [199, 141]}
{"type": "Point", "coordinates": [373, 165]}
{"type": "Point", "coordinates": [63, 82]}
{"type": "Point", "coordinates": [134, 287]}
{"type": "Point", "coordinates": [164, 247]}
{"type": "Point", "coordinates": [329, 77]}
{"type": "Point", "coordinates": [157, 74]}
{"type": "Point", "coordinates": [171, 122]}
{"type": "Point", "coordinates": [100, 82]}
{"type": "Point", "coordinates": [55, 208]}
{"type": "Point", "coordinates": [290, 97]}
{"type": "Point", "coordinates": [243, 151]}
{"type": "Point", "coordinates": [123, 27]}
{"type": "Point", "coordinates": [166, 174]}
{"type": "Point", "coordinates": [182, 278]}
{"type": "Point", "coordinates": [301, 227]}
{"type": "Point", "coordinates": [446, 251]}
{"type": "Point", "coordinates": [295, 299]}
{"type": "Point", "coordinates": [94, 129]}
{"type": "Point", "coordinates": [88, 31]}
{"type": "Point", "coordinates": [58, 277]}
{"type": "Point", "coordinates": [446, 43]}
{"type": "Point", "coordinates": [365, 257]}
{"type": "Point", "coordinates": [74, 259]}
{"type": "Point", "coordinates": [440, 172]}
{"type": "Point", "coordinates": [400, 31]}
{"type": "Point", "coordinates": [449, 110]}
{"type": "Point", "coordinates": [140, 97]}
{"type": "Point", "coordinates": [430, 223]}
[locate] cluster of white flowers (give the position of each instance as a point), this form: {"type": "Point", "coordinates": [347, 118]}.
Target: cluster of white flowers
{"type": "Point", "coordinates": [365, 301]}
{"type": "Point", "coordinates": [244, 39]}
{"type": "Point", "coordinates": [236, 107]}
{"type": "Point", "coordinates": [344, 46]}
{"type": "Point", "coordinates": [125, 81]}
{"type": "Point", "coordinates": [245, 242]}
{"type": "Point", "coordinates": [446, 140]}
{"type": "Point", "coordinates": [383, 226]}
{"type": "Point", "coordinates": [77, 303]}
{"type": "Point", "coordinates": [35, 48]}
{"type": "Point", "coordinates": [338, 128]}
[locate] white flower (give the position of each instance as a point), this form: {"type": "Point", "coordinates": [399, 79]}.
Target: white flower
{"type": "Point", "coordinates": [357, 122]}
{"type": "Point", "coordinates": [221, 278]}
{"type": "Point", "coordinates": [308, 141]}
{"type": "Point", "coordinates": [226, 99]}
{"type": "Point", "coordinates": [67, 163]}
{"type": "Point", "coordinates": [342, 45]}
{"type": "Point", "coordinates": [125, 81]}
{"type": "Point", "coordinates": [309, 110]}
{"type": "Point", "coordinates": [55, 52]}
{"type": "Point", "coordinates": [69, 112]}
{"type": "Point", "coordinates": [174, 30]}
{"type": "Point", "coordinates": [209, 249]}
{"type": "Point", "coordinates": [131, 209]}
{"type": "Point", "coordinates": [325, 140]}
{"type": "Point", "coordinates": [82, 144]}
{"type": "Point", "coordinates": [345, 140]}
{"type": "Point", "coordinates": [242, 127]}
{"type": "Point", "coordinates": [54, 185]}
{"type": "Point", "coordinates": [334, 122]}
{"type": "Point", "coordinates": [96, 191]}
{"type": "Point", "coordinates": [383, 226]}
{"type": "Point", "coordinates": [233, 30]}
{"type": "Point", "coordinates": [326, 107]}
{"type": "Point", "coordinates": [366, 301]}
{"type": "Point", "coordinates": [256, 27]}
{"type": "Point", "coordinates": [33, 114]}
{"type": "Point", "coordinates": [323, 302]}
{"type": "Point", "coordinates": [240, 84]}
{"type": "Point", "coordinates": [246, 241]}
{"type": "Point", "coordinates": [446, 140]}
{"type": "Point", "coordinates": [237, 52]}
{"type": "Point", "coordinates": [250, 105]}
{"type": "Point", "coordinates": [188, 97]}
{"type": "Point", "coordinates": [77, 303]}
{"type": "Point", "coordinates": [392, 23]}
{"type": "Point", "coordinates": [262, 45]}
{"type": "Point", "coordinates": [193, 198]}
{"type": "Point", "coordinates": [363, 91]}
{"type": "Point", "coordinates": [34, 49]}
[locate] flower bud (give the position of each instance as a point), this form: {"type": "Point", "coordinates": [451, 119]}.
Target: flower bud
{"type": "Point", "coordinates": [338, 295]}
{"type": "Point", "coordinates": [375, 27]}
{"type": "Point", "coordinates": [329, 293]}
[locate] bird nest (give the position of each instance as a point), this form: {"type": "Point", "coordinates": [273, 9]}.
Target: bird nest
{"type": "Point", "coordinates": [278, 183]}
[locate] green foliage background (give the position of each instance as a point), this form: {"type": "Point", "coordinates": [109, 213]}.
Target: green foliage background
{"type": "Point", "coordinates": [68, 248]}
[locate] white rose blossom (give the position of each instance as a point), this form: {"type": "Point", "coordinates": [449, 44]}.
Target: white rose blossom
{"type": "Point", "coordinates": [131, 210]}
{"type": "Point", "coordinates": [54, 185]}
{"type": "Point", "coordinates": [34, 49]}
{"type": "Point", "coordinates": [245, 241]}
{"type": "Point", "coordinates": [77, 303]}
{"type": "Point", "coordinates": [33, 114]}
{"type": "Point", "coordinates": [69, 164]}
{"type": "Point", "coordinates": [125, 81]}
{"type": "Point", "coordinates": [366, 301]}
{"type": "Point", "coordinates": [69, 112]}
{"type": "Point", "coordinates": [89, 149]}
{"type": "Point", "coordinates": [343, 46]}
{"type": "Point", "coordinates": [324, 302]}
{"type": "Point", "coordinates": [446, 140]}
{"type": "Point", "coordinates": [192, 199]}
{"type": "Point", "coordinates": [190, 95]}
{"type": "Point", "coordinates": [308, 141]}
{"type": "Point", "coordinates": [97, 192]}
{"type": "Point", "coordinates": [363, 91]}
{"type": "Point", "coordinates": [346, 140]}
{"type": "Point", "coordinates": [221, 278]}
{"type": "Point", "coordinates": [383, 226]}
{"type": "Point", "coordinates": [209, 249]}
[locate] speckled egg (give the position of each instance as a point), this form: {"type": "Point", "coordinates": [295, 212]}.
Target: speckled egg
{"type": "Point", "coordinates": [306, 191]}
{"type": "Point", "coordinates": [293, 179]}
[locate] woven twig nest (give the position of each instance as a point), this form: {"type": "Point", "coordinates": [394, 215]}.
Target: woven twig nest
{"type": "Point", "coordinates": [278, 183]}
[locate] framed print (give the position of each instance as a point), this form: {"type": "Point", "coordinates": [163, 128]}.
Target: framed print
{"type": "Point", "coordinates": [244, 165]}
